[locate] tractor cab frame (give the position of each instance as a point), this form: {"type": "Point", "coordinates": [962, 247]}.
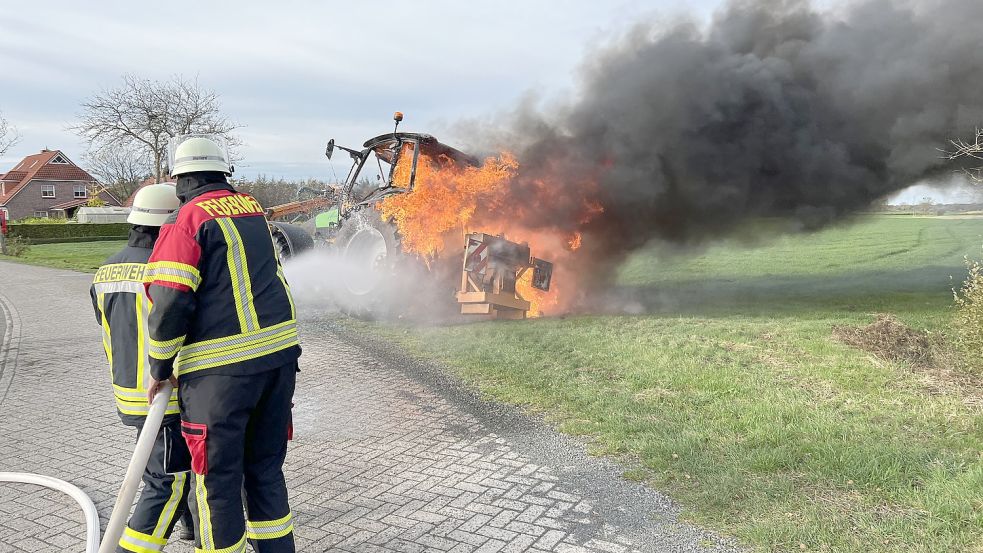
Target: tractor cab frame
{"type": "Point", "coordinates": [392, 159]}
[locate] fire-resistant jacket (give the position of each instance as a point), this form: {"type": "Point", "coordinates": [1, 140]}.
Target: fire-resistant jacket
{"type": "Point", "coordinates": [121, 306]}
{"type": "Point", "coordinates": [221, 304]}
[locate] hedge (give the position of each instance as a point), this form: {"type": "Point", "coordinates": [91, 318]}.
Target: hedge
{"type": "Point", "coordinates": [52, 233]}
{"type": "Point", "coordinates": [76, 239]}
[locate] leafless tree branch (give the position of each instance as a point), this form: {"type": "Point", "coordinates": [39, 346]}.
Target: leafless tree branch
{"type": "Point", "coordinates": [8, 135]}
{"type": "Point", "coordinates": [964, 149]}
{"type": "Point", "coordinates": [142, 115]}
{"type": "Point", "coordinates": [120, 170]}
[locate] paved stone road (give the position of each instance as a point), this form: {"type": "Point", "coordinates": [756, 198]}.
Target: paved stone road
{"type": "Point", "coordinates": [389, 455]}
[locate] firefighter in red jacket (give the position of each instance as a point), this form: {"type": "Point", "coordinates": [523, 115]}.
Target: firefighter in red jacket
{"type": "Point", "coordinates": [223, 321]}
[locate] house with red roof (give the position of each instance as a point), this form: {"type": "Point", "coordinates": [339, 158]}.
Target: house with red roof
{"type": "Point", "coordinates": [48, 184]}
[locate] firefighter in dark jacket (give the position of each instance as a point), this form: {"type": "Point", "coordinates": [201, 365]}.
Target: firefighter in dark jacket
{"type": "Point", "coordinates": [121, 306]}
{"type": "Point", "coordinates": [223, 321]}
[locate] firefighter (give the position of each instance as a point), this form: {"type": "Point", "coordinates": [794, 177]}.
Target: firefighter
{"type": "Point", "coordinates": [223, 321]}
{"type": "Point", "coordinates": [121, 307]}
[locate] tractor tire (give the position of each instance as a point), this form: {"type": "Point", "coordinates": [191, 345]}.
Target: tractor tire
{"type": "Point", "coordinates": [290, 240]}
{"type": "Point", "coordinates": [376, 274]}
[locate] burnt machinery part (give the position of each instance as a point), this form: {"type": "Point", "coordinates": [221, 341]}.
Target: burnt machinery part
{"type": "Point", "coordinates": [290, 240]}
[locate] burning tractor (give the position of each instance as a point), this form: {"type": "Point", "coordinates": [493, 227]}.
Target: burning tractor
{"type": "Point", "coordinates": [381, 278]}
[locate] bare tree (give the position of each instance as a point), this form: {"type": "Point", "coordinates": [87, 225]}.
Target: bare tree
{"type": "Point", "coordinates": [145, 114]}
{"type": "Point", "coordinates": [120, 170]}
{"type": "Point", "coordinates": [973, 150]}
{"type": "Point", "coordinates": [8, 135]}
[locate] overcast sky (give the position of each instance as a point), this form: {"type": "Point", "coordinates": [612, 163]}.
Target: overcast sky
{"type": "Point", "coordinates": [297, 73]}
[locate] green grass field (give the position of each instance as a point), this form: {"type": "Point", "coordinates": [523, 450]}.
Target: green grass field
{"type": "Point", "coordinates": [80, 256]}
{"type": "Point", "coordinates": [731, 394]}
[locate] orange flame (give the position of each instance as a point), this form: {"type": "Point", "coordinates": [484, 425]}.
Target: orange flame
{"type": "Point", "coordinates": [451, 200]}
{"type": "Point", "coordinates": [444, 200]}
{"type": "Point", "coordinates": [575, 241]}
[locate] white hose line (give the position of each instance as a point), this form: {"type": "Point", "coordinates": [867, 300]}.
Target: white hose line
{"type": "Point", "coordinates": [134, 472]}
{"type": "Point", "coordinates": [91, 515]}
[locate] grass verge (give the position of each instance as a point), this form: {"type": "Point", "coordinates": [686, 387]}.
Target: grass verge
{"type": "Point", "coordinates": [79, 256]}
{"type": "Point", "coordinates": [736, 398]}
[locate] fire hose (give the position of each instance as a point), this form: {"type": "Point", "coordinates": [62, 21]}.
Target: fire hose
{"type": "Point", "coordinates": [91, 515]}
{"type": "Point", "coordinates": [127, 492]}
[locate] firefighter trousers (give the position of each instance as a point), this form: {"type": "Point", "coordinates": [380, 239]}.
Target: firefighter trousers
{"type": "Point", "coordinates": [162, 500]}
{"type": "Point", "coordinates": [237, 429]}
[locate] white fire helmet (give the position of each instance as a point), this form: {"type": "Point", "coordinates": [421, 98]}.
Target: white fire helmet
{"type": "Point", "coordinates": [153, 204]}
{"type": "Point", "coordinates": [190, 153]}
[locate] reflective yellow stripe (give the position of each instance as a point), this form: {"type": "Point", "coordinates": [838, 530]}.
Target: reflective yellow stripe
{"type": "Point", "coordinates": [136, 548]}
{"type": "Point", "coordinates": [249, 347]}
{"type": "Point", "coordinates": [259, 351]}
{"type": "Point", "coordinates": [135, 394]}
{"type": "Point", "coordinates": [242, 287]}
{"type": "Point", "coordinates": [176, 280]}
{"type": "Point", "coordinates": [165, 349]}
{"type": "Point", "coordinates": [236, 345]}
{"type": "Point", "coordinates": [204, 515]}
{"type": "Point", "coordinates": [170, 508]}
{"type": "Point", "coordinates": [166, 343]}
{"type": "Point", "coordinates": [107, 336]}
{"type": "Point", "coordinates": [224, 341]}
{"type": "Point", "coordinates": [141, 344]}
{"type": "Point", "coordinates": [286, 288]}
{"type": "Point", "coordinates": [269, 529]}
{"type": "Point", "coordinates": [260, 524]}
{"type": "Point", "coordinates": [238, 354]}
{"type": "Point", "coordinates": [160, 264]}
{"type": "Point", "coordinates": [141, 409]}
{"type": "Point", "coordinates": [138, 542]}
{"type": "Point", "coordinates": [137, 404]}
{"type": "Point", "coordinates": [172, 271]}
{"type": "Point", "coordinates": [238, 547]}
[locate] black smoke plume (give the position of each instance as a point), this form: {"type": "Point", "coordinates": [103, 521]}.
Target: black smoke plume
{"type": "Point", "coordinates": [775, 109]}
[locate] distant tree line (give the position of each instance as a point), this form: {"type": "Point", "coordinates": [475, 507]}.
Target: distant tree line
{"type": "Point", "coordinates": [270, 191]}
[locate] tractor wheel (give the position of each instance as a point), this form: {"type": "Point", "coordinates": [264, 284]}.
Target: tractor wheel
{"type": "Point", "coordinates": [376, 274]}
{"type": "Point", "coordinates": [289, 240]}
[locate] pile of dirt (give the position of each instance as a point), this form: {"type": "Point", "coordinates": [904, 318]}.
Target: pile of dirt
{"type": "Point", "coordinates": [891, 339]}
{"type": "Point", "coordinates": [939, 367]}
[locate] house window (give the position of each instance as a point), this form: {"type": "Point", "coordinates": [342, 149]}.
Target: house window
{"type": "Point", "coordinates": [59, 159]}
{"type": "Point", "coordinates": [41, 214]}
{"type": "Point", "coordinates": [47, 191]}
{"type": "Point", "coordinates": [80, 191]}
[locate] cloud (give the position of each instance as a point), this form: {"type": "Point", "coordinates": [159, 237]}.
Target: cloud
{"type": "Point", "coordinates": [296, 73]}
